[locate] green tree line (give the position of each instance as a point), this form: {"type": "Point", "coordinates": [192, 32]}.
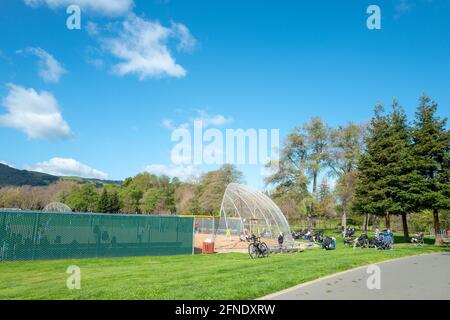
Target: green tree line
{"type": "Point", "coordinates": [388, 167]}
{"type": "Point", "coordinates": [144, 193]}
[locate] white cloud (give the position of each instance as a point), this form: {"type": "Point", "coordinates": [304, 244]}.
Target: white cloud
{"type": "Point", "coordinates": [187, 41]}
{"type": "Point", "coordinates": [142, 46]}
{"type": "Point", "coordinates": [96, 62]}
{"type": "Point", "coordinates": [67, 167]}
{"type": "Point", "coordinates": [36, 114]}
{"type": "Point", "coordinates": [215, 120]}
{"type": "Point", "coordinates": [101, 7]}
{"type": "Point", "coordinates": [168, 124]}
{"type": "Point", "coordinates": [207, 120]}
{"type": "Point", "coordinates": [95, 57]}
{"type": "Point", "coordinates": [182, 172]}
{"type": "Point", "coordinates": [403, 7]}
{"type": "Point", "coordinates": [7, 164]}
{"type": "Point", "coordinates": [92, 28]}
{"type": "Point", "coordinates": [50, 70]}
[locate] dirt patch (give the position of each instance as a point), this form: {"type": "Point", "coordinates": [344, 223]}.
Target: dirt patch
{"type": "Point", "coordinates": [223, 244]}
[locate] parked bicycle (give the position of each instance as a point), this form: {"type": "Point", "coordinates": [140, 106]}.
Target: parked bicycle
{"type": "Point", "coordinates": [257, 249]}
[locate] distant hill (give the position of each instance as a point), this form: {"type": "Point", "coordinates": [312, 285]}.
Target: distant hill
{"type": "Point", "coordinates": [14, 177]}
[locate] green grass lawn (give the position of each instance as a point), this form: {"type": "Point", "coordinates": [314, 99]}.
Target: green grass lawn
{"type": "Point", "coordinates": [225, 276]}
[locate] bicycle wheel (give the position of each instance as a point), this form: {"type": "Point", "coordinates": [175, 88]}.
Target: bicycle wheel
{"type": "Point", "coordinates": [264, 250]}
{"type": "Point", "coordinates": [252, 251]}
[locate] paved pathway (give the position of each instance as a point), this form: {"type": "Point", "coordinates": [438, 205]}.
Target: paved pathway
{"type": "Point", "coordinates": [420, 277]}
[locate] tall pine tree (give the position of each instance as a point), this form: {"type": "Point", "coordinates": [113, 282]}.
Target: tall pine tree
{"type": "Point", "coordinates": [370, 191]}
{"type": "Point", "coordinates": [103, 202]}
{"type": "Point", "coordinates": [114, 202]}
{"type": "Point", "coordinates": [398, 166]}
{"type": "Point", "coordinates": [386, 168]}
{"type": "Point", "coordinates": [431, 147]}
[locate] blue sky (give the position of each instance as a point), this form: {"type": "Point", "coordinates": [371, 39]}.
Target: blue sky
{"type": "Point", "coordinates": [93, 102]}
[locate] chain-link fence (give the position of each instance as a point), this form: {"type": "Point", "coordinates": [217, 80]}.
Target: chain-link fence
{"type": "Point", "coordinates": [44, 235]}
{"type": "Point", "coordinates": [210, 225]}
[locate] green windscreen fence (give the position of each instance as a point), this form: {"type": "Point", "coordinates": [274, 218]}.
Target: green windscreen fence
{"type": "Point", "coordinates": [44, 235]}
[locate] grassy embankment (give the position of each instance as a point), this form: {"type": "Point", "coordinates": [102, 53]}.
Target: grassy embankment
{"type": "Point", "coordinates": [224, 276]}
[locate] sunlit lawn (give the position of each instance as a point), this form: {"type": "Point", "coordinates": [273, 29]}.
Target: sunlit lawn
{"type": "Point", "coordinates": [224, 276]}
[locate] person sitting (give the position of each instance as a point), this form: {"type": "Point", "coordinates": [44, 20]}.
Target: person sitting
{"type": "Point", "coordinates": [418, 239]}
{"type": "Point", "coordinates": [349, 232]}
{"type": "Point", "coordinates": [377, 233]}
{"type": "Point", "coordinates": [386, 240]}
{"type": "Point", "coordinates": [391, 233]}
{"type": "Point", "coordinates": [388, 233]}
{"type": "Point", "coordinates": [318, 237]}
{"type": "Point", "coordinates": [307, 235]}
{"type": "Point", "coordinates": [329, 243]}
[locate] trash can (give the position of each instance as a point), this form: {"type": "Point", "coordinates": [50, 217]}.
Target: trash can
{"type": "Point", "coordinates": [208, 247]}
